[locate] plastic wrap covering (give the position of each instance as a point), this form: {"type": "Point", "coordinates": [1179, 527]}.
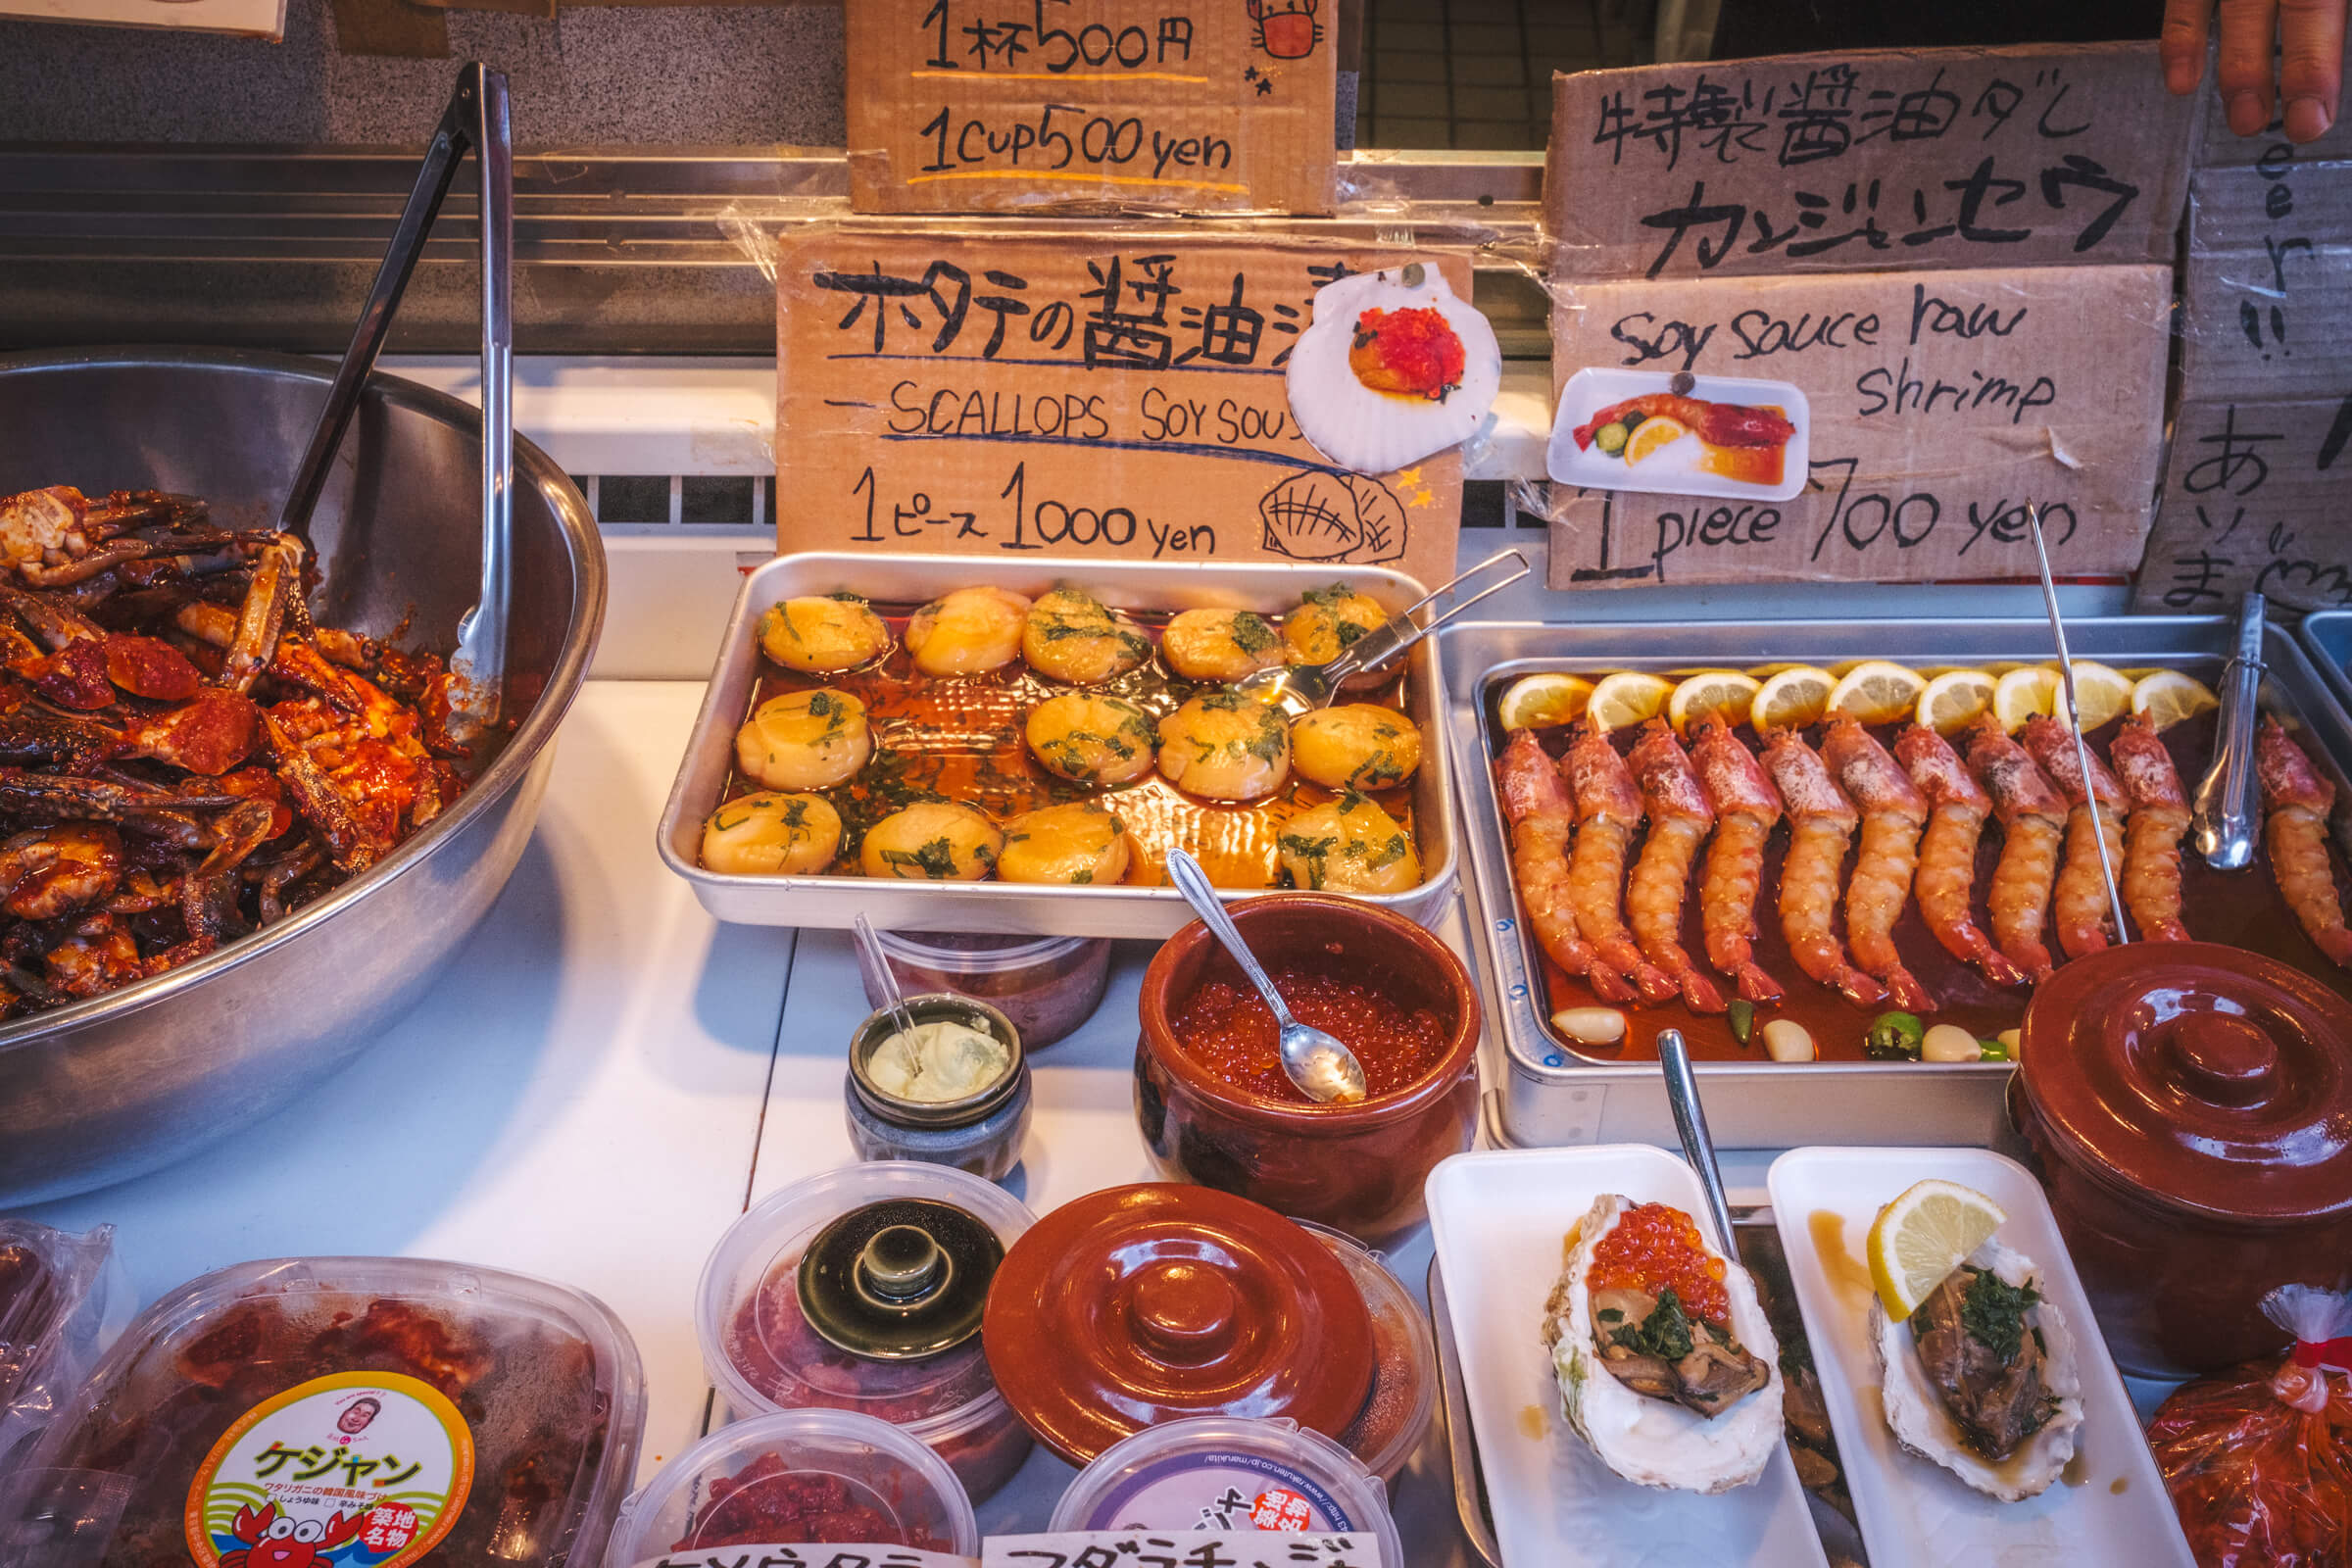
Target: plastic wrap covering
{"type": "Point", "coordinates": [62, 1299]}
{"type": "Point", "coordinates": [2259, 1462]}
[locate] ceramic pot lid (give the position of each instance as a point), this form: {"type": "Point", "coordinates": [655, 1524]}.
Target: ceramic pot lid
{"type": "Point", "coordinates": [2211, 1080]}
{"type": "Point", "coordinates": [900, 1279]}
{"type": "Point", "coordinates": [1140, 1305]}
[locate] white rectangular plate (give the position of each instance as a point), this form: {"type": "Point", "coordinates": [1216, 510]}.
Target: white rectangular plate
{"type": "Point", "coordinates": [1498, 1219]}
{"type": "Point", "coordinates": [2111, 1510]}
{"type": "Point", "coordinates": [1671, 470]}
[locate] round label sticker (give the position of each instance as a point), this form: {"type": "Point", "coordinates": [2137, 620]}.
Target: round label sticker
{"type": "Point", "coordinates": [1218, 1490]}
{"type": "Point", "coordinates": [355, 1470]}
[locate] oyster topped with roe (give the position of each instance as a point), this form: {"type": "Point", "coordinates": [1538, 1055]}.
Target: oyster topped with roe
{"type": "Point", "coordinates": [1666, 1363]}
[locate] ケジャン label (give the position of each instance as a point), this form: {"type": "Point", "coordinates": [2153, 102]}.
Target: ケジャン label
{"type": "Point", "coordinates": [353, 1470]}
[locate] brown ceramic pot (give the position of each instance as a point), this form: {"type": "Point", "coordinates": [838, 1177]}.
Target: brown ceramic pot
{"type": "Point", "coordinates": [1357, 1168]}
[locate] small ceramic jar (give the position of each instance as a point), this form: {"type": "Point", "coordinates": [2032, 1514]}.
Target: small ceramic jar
{"type": "Point", "coordinates": [981, 1132]}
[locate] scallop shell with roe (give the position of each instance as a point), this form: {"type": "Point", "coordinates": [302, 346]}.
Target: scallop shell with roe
{"type": "Point", "coordinates": [1374, 431]}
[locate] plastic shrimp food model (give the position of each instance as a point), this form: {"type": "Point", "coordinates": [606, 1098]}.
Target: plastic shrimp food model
{"type": "Point", "coordinates": [1990, 831]}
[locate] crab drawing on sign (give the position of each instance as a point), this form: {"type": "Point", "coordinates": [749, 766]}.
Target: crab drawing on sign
{"type": "Point", "coordinates": [1286, 30]}
{"type": "Point", "coordinates": [1323, 515]}
{"type": "Point", "coordinates": [274, 1539]}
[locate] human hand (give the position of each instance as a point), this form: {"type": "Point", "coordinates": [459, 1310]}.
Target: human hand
{"type": "Point", "coordinates": [2310, 36]}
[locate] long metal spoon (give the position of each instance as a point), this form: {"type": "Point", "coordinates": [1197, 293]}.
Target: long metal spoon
{"type": "Point", "coordinates": [1302, 688]}
{"type": "Point", "coordinates": [1322, 1067]}
{"type": "Point", "coordinates": [2074, 722]}
{"type": "Point", "coordinates": [876, 964]}
{"type": "Point", "coordinates": [2225, 799]}
{"type": "Point", "coordinates": [1690, 1121]}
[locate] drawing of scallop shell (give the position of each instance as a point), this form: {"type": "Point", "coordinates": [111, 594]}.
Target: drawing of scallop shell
{"type": "Point", "coordinates": [1322, 514]}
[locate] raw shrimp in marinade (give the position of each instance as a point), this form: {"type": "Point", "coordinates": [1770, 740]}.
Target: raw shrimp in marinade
{"type": "Point", "coordinates": [1680, 817]}
{"type": "Point", "coordinates": [1957, 807]}
{"type": "Point", "coordinates": [2152, 833]}
{"type": "Point", "coordinates": [1821, 825]}
{"type": "Point", "coordinates": [1543, 822]}
{"type": "Point", "coordinates": [2085, 916]}
{"type": "Point", "coordinates": [2033, 819]}
{"type": "Point", "coordinates": [1608, 807]}
{"type": "Point", "coordinates": [2295, 802]}
{"type": "Point", "coordinates": [1747, 805]}
{"type": "Point", "coordinates": [1893, 815]}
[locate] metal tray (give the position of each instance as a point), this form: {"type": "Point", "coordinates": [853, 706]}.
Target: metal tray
{"type": "Point", "coordinates": [1057, 911]}
{"type": "Point", "coordinates": [1549, 1094]}
{"type": "Point", "coordinates": [2327, 636]}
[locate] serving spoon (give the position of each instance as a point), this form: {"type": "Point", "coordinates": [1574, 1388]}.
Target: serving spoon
{"type": "Point", "coordinates": [1321, 1066]}
{"type": "Point", "coordinates": [1298, 689]}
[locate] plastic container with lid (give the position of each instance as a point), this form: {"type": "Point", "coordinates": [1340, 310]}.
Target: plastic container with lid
{"type": "Point", "coordinates": [982, 1132]}
{"type": "Point", "coordinates": [898, 1259]}
{"type": "Point", "coordinates": [1048, 986]}
{"type": "Point", "coordinates": [1230, 1473]}
{"type": "Point", "coordinates": [1387, 1431]}
{"type": "Point", "coordinates": [796, 1477]}
{"type": "Point", "coordinates": [452, 1413]}
{"type": "Point", "coordinates": [2190, 1105]}
{"type": "Point", "coordinates": [62, 1299]}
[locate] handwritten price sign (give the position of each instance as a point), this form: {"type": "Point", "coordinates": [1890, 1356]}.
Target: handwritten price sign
{"type": "Point", "coordinates": [1189, 1548]}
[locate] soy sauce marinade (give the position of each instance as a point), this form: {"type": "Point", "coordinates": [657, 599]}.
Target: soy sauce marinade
{"type": "Point", "coordinates": [959, 738]}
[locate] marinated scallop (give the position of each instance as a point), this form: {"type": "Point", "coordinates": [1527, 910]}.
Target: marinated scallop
{"type": "Point", "coordinates": [1328, 623]}
{"type": "Point", "coordinates": [1356, 746]}
{"type": "Point", "coordinates": [1082, 844]}
{"type": "Point", "coordinates": [1092, 740]}
{"type": "Point", "coordinates": [822, 634]}
{"type": "Point", "coordinates": [1072, 636]}
{"type": "Point", "coordinates": [933, 841]}
{"type": "Point", "coordinates": [1349, 846]}
{"type": "Point", "coordinates": [1220, 644]}
{"type": "Point", "coordinates": [805, 739]}
{"type": "Point", "coordinates": [767, 834]}
{"type": "Point", "coordinates": [969, 633]}
{"type": "Point", "coordinates": [1225, 746]}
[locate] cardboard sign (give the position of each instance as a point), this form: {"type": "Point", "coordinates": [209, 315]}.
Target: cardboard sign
{"type": "Point", "coordinates": [1866, 162]}
{"type": "Point", "coordinates": [1941, 404]}
{"type": "Point", "coordinates": [960, 106]}
{"type": "Point", "coordinates": [252, 19]}
{"type": "Point", "coordinates": [1183, 1549]}
{"type": "Point", "coordinates": [2267, 289]}
{"type": "Point", "coordinates": [2253, 498]}
{"type": "Point", "coordinates": [1106, 392]}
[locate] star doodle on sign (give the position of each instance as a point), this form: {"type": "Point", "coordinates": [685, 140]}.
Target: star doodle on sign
{"type": "Point", "coordinates": [1249, 73]}
{"type": "Point", "coordinates": [1265, 86]}
{"type": "Point", "coordinates": [1409, 484]}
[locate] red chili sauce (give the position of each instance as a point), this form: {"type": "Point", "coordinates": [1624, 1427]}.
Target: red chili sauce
{"type": "Point", "coordinates": [1229, 1031]}
{"type": "Point", "coordinates": [1653, 1246]}
{"type": "Point", "coordinates": [767, 1504]}
{"type": "Point", "coordinates": [1412, 352]}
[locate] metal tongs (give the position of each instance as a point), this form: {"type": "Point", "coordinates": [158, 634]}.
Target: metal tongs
{"type": "Point", "coordinates": [2224, 803]}
{"type": "Point", "coordinates": [476, 122]}
{"type": "Point", "coordinates": [2074, 724]}
{"type": "Point", "coordinates": [1302, 688]}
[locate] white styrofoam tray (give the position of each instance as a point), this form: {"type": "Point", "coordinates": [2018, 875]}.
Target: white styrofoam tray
{"type": "Point", "coordinates": [2112, 1509]}
{"type": "Point", "coordinates": [1672, 469]}
{"type": "Point", "coordinates": [1499, 1218]}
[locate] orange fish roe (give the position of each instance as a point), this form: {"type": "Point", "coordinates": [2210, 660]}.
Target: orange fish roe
{"type": "Point", "coordinates": [1653, 1246]}
{"type": "Point", "coordinates": [1412, 352]}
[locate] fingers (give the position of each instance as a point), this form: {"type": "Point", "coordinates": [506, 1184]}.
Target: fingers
{"type": "Point", "coordinates": [2181, 46]}
{"type": "Point", "coordinates": [2248, 29]}
{"type": "Point", "coordinates": [2310, 64]}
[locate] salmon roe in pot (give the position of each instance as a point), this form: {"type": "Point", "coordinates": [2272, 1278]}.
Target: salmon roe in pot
{"type": "Point", "coordinates": [1653, 1246]}
{"type": "Point", "coordinates": [1414, 353]}
{"type": "Point", "coordinates": [1230, 1032]}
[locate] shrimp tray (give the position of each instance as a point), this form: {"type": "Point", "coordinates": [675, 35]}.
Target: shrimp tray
{"type": "Point", "coordinates": [959, 738]}
{"type": "Point", "coordinates": [1560, 1091]}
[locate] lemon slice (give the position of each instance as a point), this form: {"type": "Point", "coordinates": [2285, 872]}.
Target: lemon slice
{"type": "Point", "coordinates": [1652, 434]}
{"type": "Point", "coordinates": [2168, 697]}
{"type": "Point", "coordinates": [1877, 692]}
{"type": "Point", "coordinates": [2105, 693]}
{"type": "Point", "coordinates": [2027, 692]}
{"type": "Point", "coordinates": [1952, 701]}
{"type": "Point", "coordinates": [1792, 699]}
{"type": "Point", "coordinates": [1628, 697]}
{"type": "Point", "coordinates": [1922, 1237]}
{"type": "Point", "coordinates": [1545, 701]}
{"type": "Point", "coordinates": [1720, 693]}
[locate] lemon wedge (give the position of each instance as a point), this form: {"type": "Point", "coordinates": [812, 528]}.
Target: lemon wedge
{"type": "Point", "coordinates": [1719, 694]}
{"type": "Point", "coordinates": [1545, 701]}
{"type": "Point", "coordinates": [1952, 701]}
{"type": "Point", "coordinates": [1628, 697]}
{"type": "Point", "coordinates": [2105, 693]}
{"type": "Point", "coordinates": [1651, 434]}
{"type": "Point", "coordinates": [1924, 1235]}
{"type": "Point", "coordinates": [1792, 699]}
{"type": "Point", "coordinates": [2168, 697]}
{"type": "Point", "coordinates": [2027, 692]}
{"type": "Point", "coordinates": [1875, 692]}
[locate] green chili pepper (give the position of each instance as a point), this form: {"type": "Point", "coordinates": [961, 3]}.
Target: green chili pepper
{"type": "Point", "coordinates": [1991, 1050]}
{"type": "Point", "coordinates": [1743, 1015]}
{"type": "Point", "coordinates": [1895, 1037]}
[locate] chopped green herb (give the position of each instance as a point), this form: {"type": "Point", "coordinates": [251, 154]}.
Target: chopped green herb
{"type": "Point", "coordinates": [1390, 853]}
{"type": "Point", "coordinates": [1665, 1333]}
{"type": "Point", "coordinates": [1350, 633]}
{"type": "Point", "coordinates": [848, 598]}
{"type": "Point", "coordinates": [1993, 1312]}
{"type": "Point", "coordinates": [936, 861]}
{"type": "Point", "coordinates": [1084, 875]}
{"type": "Point", "coordinates": [1251, 633]}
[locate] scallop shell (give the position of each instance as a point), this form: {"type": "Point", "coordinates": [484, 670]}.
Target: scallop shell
{"type": "Point", "coordinates": [1374, 432]}
{"type": "Point", "coordinates": [1654, 1443]}
{"type": "Point", "coordinates": [1915, 1411]}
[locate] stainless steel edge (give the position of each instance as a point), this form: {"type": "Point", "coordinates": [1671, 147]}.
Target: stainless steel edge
{"type": "Point", "coordinates": [1461, 1440]}
{"type": "Point", "coordinates": [1550, 1096]}
{"type": "Point", "coordinates": [1086, 911]}
{"type": "Point", "coordinates": [2325, 636]}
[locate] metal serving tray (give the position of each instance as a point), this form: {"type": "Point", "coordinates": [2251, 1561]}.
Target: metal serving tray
{"type": "Point", "coordinates": [1071, 911]}
{"type": "Point", "coordinates": [1551, 1095]}
{"type": "Point", "coordinates": [2327, 636]}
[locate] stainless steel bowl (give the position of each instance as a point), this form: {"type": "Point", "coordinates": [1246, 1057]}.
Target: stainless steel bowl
{"type": "Point", "coordinates": [123, 1083]}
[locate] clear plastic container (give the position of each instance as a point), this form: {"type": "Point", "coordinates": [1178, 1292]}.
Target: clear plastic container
{"type": "Point", "coordinates": [762, 1356]}
{"type": "Point", "coordinates": [1229, 1473]}
{"type": "Point", "coordinates": [392, 1403]}
{"type": "Point", "coordinates": [1404, 1375]}
{"type": "Point", "coordinates": [62, 1301]}
{"type": "Point", "coordinates": [745, 1484]}
{"type": "Point", "coordinates": [1048, 986]}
